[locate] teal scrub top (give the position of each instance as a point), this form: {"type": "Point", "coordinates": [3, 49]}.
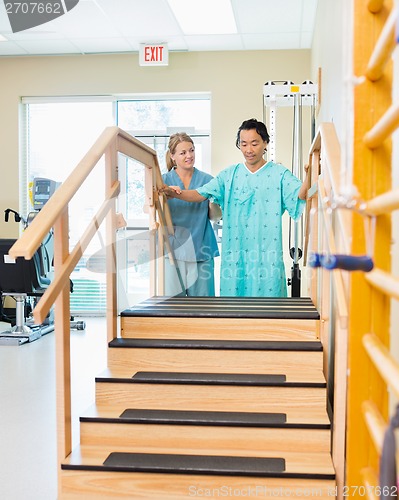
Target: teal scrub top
{"type": "Point", "coordinates": [194, 239]}
{"type": "Point", "coordinates": [253, 204]}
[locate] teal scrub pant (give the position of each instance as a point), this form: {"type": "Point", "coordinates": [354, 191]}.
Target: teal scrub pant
{"type": "Point", "coordinates": [198, 279]}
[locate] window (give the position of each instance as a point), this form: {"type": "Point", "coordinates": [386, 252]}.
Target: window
{"type": "Point", "coordinates": [152, 121]}
{"type": "Point", "coordinates": [58, 135]}
{"type": "Point", "coordinates": [60, 131]}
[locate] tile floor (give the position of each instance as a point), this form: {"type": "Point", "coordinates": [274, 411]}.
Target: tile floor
{"type": "Point", "coordinates": [28, 463]}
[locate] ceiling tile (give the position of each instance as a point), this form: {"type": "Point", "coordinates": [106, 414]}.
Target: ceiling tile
{"type": "Point", "coordinates": [144, 18]}
{"type": "Point", "coordinates": [174, 42]}
{"type": "Point", "coordinates": [11, 49]}
{"type": "Point", "coordinates": [102, 45]}
{"type": "Point", "coordinates": [268, 16]}
{"type": "Point", "coordinates": [86, 20]}
{"type": "Point", "coordinates": [214, 42]}
{"type": "Point", "coordinates": [121, 25]}
{"type": "Point", "coordinates": [306, 40]}
{"type": "Point", "coordinates": [271, 41]}
{"type": "Point", "coordinates": [43, 47]}
{"type": "Point", "coordinates": [308, 15]}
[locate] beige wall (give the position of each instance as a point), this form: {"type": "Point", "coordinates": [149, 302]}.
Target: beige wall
{"type": "Point", "coordinates": [235, 80]}
{"type": "Point", "coordinates": [331, 51]}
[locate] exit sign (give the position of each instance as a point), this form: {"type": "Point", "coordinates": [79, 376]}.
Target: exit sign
{"type": "Point", "coordinates": [154, 55]}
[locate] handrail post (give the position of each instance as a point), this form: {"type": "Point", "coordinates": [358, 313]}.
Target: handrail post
{"type": "Point", "coordinates": [111, 176]}
{"type": "Point", "coordinates": [149, 180]}
{"type": "Point", "coordinates": [63, 344]}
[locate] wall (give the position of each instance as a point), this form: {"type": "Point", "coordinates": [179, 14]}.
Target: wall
{"type": "Point", "coordinates": [330, 52]}
{"type": "Point", "coordinates": [235, 80]}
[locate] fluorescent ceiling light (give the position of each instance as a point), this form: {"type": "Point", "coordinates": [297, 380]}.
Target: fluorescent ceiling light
{"type": "Point", "coordinates": [3, 38]}
{"type": "Point", "coordinates": [204, 17]}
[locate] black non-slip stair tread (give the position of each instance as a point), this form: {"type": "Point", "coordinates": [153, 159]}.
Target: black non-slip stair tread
{"type": "Point", "coordinates": [225, 378]}
{"type": "Point", "coordinates": [249, 345]}
{"type": "Point", "coordinates": [197, 465]}
{"type": "Point", "coordinates": [196, 417]}
{"type": "Point", "coordinates": [193, 378]}
{"type": "Point", "coordinates": [203, 418]}
{"type": "Point", "coordinates": [234, 301]}
{"type": "Point", "coordinates": [230, 465]}
{"type": "Point", "coordinates": [225, 307]}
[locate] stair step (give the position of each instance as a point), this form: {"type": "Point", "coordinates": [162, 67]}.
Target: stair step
{"type": "Point", "coordinates": [181, 417]}
{"type": "Point", "coordinates": [238, 345]}
{"type": "Point", "coordinates": [176, 431]}
{"type": "Point", "coordinates": [115, 390]}
{"type": "Point", "coordinates": [210, 379]}
{"type": "Point", "coordinates": [297, 420]}
{"type": "Point", "coordinates": [220, 379]}
{"type": "Point", "coordinates": [131, 355]}
{"type": "Point", "coordinates": [226, 307]}
{"type": "Point", "coordinates": [219, 328]}
{"type": "Point", "coordinates": [290, 465]}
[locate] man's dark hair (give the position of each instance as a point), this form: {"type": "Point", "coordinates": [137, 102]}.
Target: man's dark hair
{"type": "Point", "coordinates": [253, 124]}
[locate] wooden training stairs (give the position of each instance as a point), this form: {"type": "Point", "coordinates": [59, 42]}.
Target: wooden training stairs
{"type": "Point", "coordinates": [208, 397]}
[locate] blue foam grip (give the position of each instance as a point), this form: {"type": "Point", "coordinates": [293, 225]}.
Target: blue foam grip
{"type": "Point", "coordinates": [348, 262]}
{"type": "Point", "coordinates": [314, 260]}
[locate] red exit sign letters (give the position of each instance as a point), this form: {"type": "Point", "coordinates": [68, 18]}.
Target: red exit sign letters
{"type": "Point", "coordinates": [154, 55]}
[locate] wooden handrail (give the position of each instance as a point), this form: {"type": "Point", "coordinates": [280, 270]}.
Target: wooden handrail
{"type": "Point", "coordinates": [35, 233]}
{"type": "Point", "coordinates": [340, 295]}
{"type": "Point", "coordinates": [384, 128]}
{"type": "Point", "coordinates": [376, 424]}
{"type": "Point", "coordinates": [327, 136]}
{"type": "Point", "coordinates": [383, 204]}
{"type": "Point", "coordinates": [54, 216]}
{"type": "Point", "coordinates": [384, 282]}
{"type": "Point", "coordinates": [387, 367]}
{"type": "Point", "coordinates": [383, 48]}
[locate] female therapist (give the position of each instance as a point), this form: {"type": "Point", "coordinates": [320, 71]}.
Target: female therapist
{"type": "Point", "coordinates": [194, 242]}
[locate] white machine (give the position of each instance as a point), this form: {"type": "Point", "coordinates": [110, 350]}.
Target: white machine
{"type": "Point", "coordinates": [287, 94]}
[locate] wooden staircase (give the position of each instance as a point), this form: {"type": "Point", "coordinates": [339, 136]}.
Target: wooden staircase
{"type": "Point", "coordinates": [208, 397]}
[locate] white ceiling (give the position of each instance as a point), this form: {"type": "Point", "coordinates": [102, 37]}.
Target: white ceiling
{"type": "Point", "coordinates": [119, 26]}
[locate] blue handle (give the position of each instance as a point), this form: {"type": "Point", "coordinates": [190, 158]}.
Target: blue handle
{"type": "Point", "coordinates": [348, 262]}
{"type": "Point", "coordinates": [314, 260]}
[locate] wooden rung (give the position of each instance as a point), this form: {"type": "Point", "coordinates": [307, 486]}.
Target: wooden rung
{"type": "Point", "coordinates": [383, 48]}
{"type": "Point", "coordinates": [387, 367]}
{"type": "Point", "coordinates": [383, 129]}
{"type": "Point", "coordinates": [383, 204]}
{"type": "Point", "coordinates": [370, 481]}
{"type": "Point", "coordinates": [384, 282]}
{"type": "Point", "coordinates": [375, 6]}
{"type": "Point", "coordinates": [375, 424]}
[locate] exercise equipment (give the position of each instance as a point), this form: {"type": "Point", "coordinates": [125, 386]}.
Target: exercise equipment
{"type": "Point", "coordinates": [26, 280]}
{"type": "Point", "coordinates": [20, 279]}
{"type": "Point", "coordinates": [287, 94]}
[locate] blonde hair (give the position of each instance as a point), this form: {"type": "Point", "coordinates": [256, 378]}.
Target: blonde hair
{"type": "Point", "coordinates": [174, 140]}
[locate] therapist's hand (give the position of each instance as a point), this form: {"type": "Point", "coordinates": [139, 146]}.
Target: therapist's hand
{"type": "Point", "coordinates": [170, 191]}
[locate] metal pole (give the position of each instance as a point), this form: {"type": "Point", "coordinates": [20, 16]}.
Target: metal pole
{"type": "Point", "coordinates": [297, 154]}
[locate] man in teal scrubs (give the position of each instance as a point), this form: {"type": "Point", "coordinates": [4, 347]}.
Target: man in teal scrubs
{"type": "Point", "coordinates": [253, 196]}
